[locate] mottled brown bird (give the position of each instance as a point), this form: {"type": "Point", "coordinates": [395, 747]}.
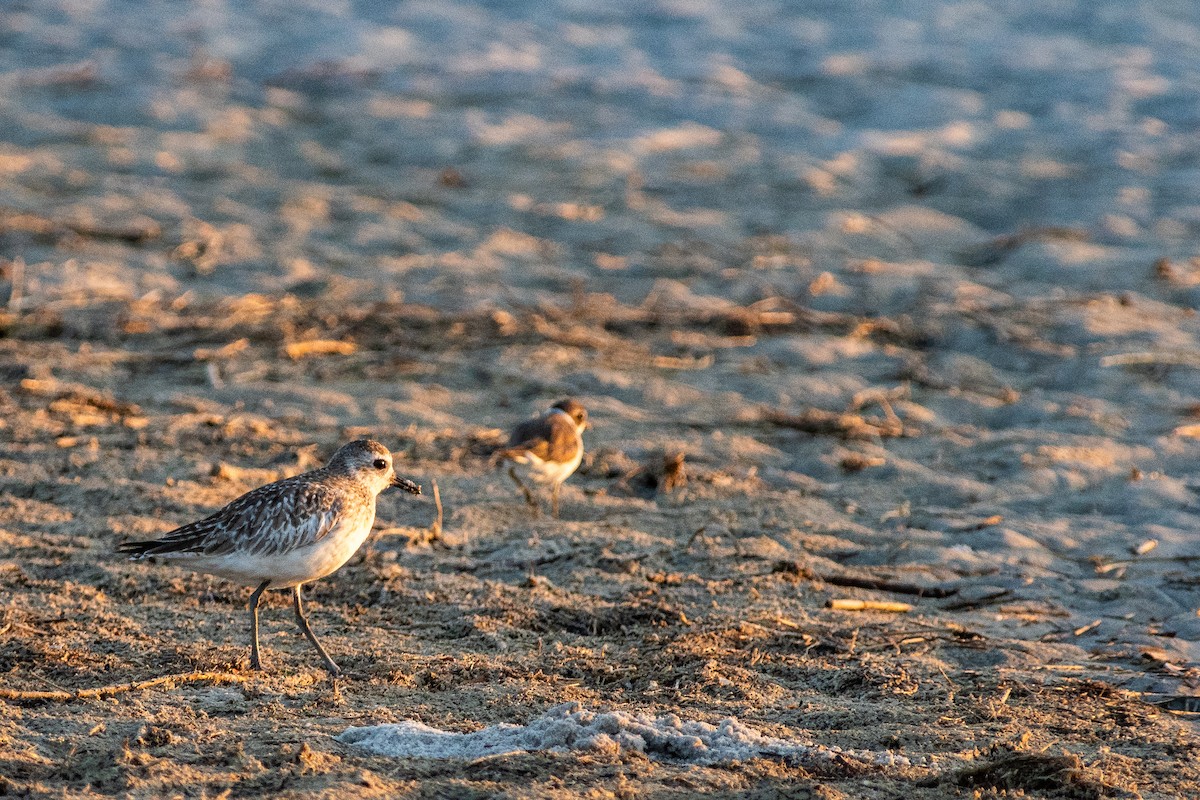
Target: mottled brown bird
{"type": "Point", "coordinates": [547, 450]}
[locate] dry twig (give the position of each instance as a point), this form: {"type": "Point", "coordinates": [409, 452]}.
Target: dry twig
{"type": "Point", "coordinates": [1177, 358]}
{"type": "Point", "coordinates": [992, 252]}
{"type": "Point", "coordinates": [847, 604]}
{"type": "Point", "coordinates": [855, 582]}
{"type": "Point", "coordinates": [63, 695]}
{"type": "Point", "coordinates": [435, 530]}
{"type": "Point", "coordinates": [16, 276]}
{"type": "Point", "coordinates": [826, 423]}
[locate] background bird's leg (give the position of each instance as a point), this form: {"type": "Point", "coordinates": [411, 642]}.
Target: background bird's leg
{"type": "Point", "coordinates": [300, 618]}
{"type": "Point", "coordinates": [512, 473]}
{"type": "Point", "coordinates": [255, 661]}
{"type": "Point", "coordinates": [554, 500]}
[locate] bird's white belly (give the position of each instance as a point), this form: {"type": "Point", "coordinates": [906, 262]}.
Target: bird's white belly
{"type": "Point", "coordinates": [547, 472]}
{"type": "Point", "coordinates": [293, 567]}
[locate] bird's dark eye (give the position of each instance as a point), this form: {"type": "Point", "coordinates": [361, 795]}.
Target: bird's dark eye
{"type": "Point", "coordinates": [380, 464]}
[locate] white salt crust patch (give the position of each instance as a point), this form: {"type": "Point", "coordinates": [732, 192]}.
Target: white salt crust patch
{"type": "Point", "coordinates": [571, 727]}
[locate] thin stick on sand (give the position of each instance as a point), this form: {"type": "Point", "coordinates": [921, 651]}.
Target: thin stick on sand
{"type": "Point", "coordinates": [435, 530]}
{"type": "Point", "coordinates": [847, 604]}
{"type": "Point", "coordinates": [17, 280]}
{"type": "Point", "coordinates": [887, 586]}
{"type": "Point", "coordinates": [1171, 358]}
{"type": "Point", "coordinates": [121, 688]}
{"type": "Point", "coordinates": [856, 582]}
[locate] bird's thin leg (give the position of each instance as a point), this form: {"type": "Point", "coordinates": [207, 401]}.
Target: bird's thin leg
{"type": "Point", "coordinates": [300, 618]}
{"type": "Point", "coordinates": [255, 661]}
{"type": "Point", "coordinates": [512, 473]}
{"type": "Point", "coordinates": [554, 500]}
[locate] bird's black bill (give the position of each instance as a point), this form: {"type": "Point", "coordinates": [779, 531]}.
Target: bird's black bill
{"type": "Point", "coordinates": [406, 485]}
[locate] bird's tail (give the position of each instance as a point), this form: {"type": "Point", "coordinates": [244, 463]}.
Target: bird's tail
{"type": "Point", "coordinates": [137, 550]}
{"type": "Point", "coordinates": [508, 454]}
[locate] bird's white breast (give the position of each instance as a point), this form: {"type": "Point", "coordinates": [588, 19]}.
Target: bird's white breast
{"type": "Point", "coordinates": [296, 566]}
{"type": "Point", "coordinates": [549, 472]}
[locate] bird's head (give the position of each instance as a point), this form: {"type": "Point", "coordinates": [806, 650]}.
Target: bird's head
{"type": "Point", "coordinates": [370, 462]}
{"type": "Point", "coordinates": [575, 410]}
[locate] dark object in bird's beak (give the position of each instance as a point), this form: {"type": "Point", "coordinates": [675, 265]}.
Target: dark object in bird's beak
{"type": "Point", "coordinates": [406, 485]}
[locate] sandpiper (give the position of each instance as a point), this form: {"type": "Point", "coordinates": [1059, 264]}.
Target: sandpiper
{"type": "Point", "coordinates": [547, 449]}
{"type": "Point", "coordinates": [287, 533]}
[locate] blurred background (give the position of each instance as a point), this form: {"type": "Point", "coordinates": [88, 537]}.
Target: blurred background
{"type": "Point", "coordinates": [445, 152]}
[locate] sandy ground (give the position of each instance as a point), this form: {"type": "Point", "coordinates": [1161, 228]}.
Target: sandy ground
{"type": "Point", "coordinates": [911, 287]}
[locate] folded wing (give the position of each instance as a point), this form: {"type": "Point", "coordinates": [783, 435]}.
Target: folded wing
{"type": "Point", "coordinates": [550, 438]}
{"type": "Point", "coordinates": [272, 519]}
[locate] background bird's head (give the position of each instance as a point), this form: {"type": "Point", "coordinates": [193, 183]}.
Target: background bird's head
{"type": "Point", "coordinates": [370, 462]}
{"type": "Point", "coordinates": [575, 410]}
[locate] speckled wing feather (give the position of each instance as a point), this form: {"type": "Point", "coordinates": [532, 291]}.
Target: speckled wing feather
{"type": "Point", "coordinates": [273, 519]}
{"type": "Point", "coordinates": [550, 438]}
